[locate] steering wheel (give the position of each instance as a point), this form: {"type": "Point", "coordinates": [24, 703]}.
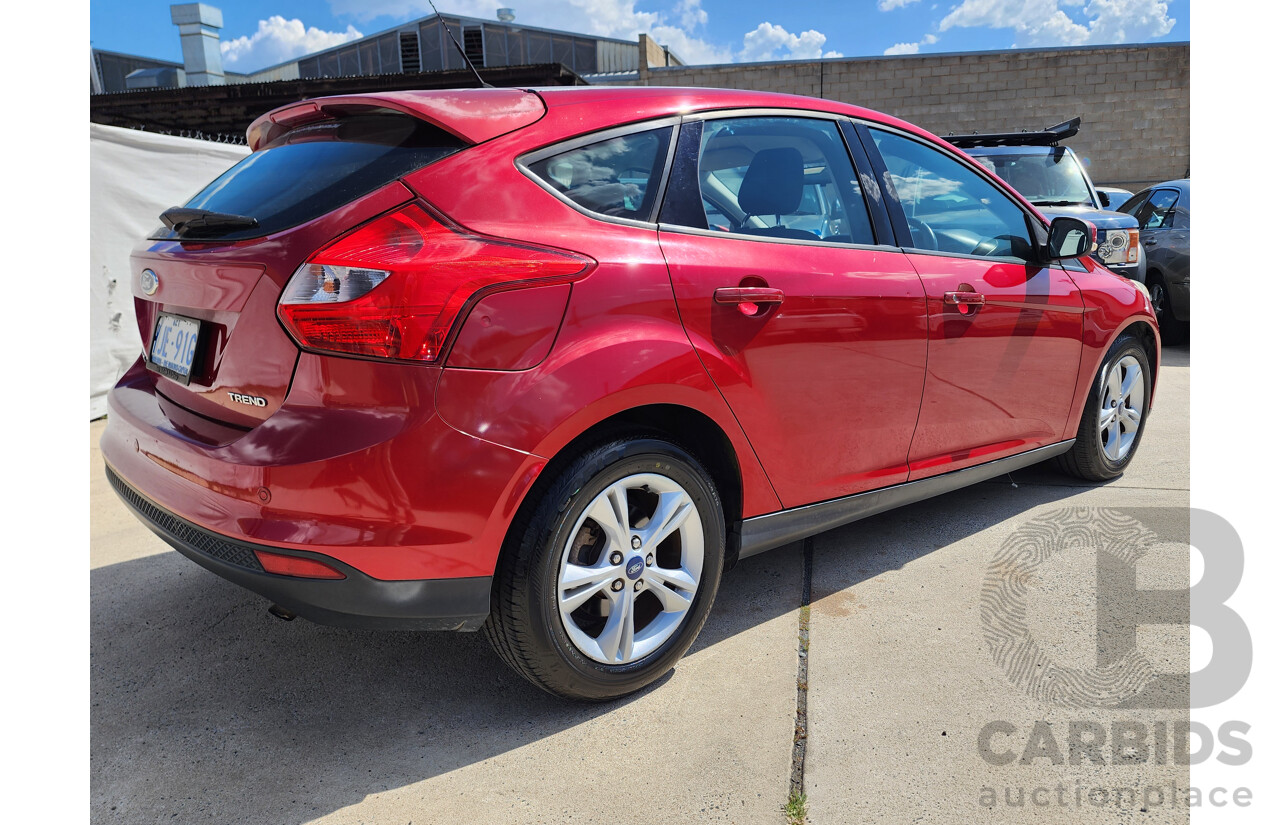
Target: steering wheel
{"type": "Point", "coordinates": [1017, 247]}
{"type": "Point", "coordinates": [921, 231]}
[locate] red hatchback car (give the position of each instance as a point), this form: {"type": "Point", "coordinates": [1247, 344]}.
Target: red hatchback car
{"type": "Point", "coordinates": [549, 362]}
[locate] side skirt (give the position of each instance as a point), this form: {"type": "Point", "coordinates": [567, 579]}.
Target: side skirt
{"type": "Point", "coordinates": [771, 530]}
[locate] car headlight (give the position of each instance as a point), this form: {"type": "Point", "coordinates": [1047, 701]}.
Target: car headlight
{"type": "Point", "coordinates": [1118, 247]}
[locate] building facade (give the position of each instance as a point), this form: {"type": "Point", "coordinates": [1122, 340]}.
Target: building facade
{"type": "Point", "coordinates": [1134, 100]}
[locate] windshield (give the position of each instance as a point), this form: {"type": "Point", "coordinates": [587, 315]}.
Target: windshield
{"type": "Point", "coordinates": [1051, 178]}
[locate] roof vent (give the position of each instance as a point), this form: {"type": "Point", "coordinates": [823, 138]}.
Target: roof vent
{"type": "Point", "coordinates": [506, 15]}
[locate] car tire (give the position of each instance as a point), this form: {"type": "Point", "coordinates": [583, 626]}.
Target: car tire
{"type": "Point", "coordinates": [1172, 331]}
{"type": "Point", "coordinates": [556, 588]}
{"type": "Point", "coordinates": [1108, 436]}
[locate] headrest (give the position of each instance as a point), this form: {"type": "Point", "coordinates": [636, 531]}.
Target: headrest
{"type": "Point", "coordinates": [774, 182]}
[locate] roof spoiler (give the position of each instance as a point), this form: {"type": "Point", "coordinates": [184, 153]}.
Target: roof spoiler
{"type": "Point", "coordinates": [1049, 136]}
{"type": "Point", "coordinates": [472, 115]}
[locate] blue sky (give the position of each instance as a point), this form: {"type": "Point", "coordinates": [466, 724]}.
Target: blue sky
{"type": "Point", "coordinates": [259, 33]}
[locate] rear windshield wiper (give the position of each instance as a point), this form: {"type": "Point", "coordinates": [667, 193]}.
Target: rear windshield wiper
{"type": "Point", "coordinates": [184, 221]}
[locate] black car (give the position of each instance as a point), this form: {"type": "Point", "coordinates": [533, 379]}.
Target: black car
{"type": "Point", "coordinates": [1163, 212]}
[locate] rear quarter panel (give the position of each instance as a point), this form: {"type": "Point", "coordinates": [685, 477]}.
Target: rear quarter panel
{"type": "Point", "coordinates": [621, 345]}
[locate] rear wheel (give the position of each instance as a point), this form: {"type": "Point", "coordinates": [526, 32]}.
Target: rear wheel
{"type": "Point", "coordinates": [1115, 414]}
{"type": "Point", "coordinates": [608, 578]}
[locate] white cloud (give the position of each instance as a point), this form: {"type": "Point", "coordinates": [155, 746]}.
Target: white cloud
{"type": "Point", "coordinates": [1128, 19]}
{"type": "Point", "coordinates": [692, 50]}
{"type": "Point", "coordinates": [890, 5]}
{"type": "Point", "coordinates": [692, 14]}
{"type": "Point", "coordinates": [767, 40]}
{"type": "Point", "coordinates": [1045, 23]}
{"type": "Point", "coordinates": [278, 40]}
{"type": "Point", "coordinates": [911, 48]}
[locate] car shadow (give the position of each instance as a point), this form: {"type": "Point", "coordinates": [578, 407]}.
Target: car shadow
{"type": "Point", "coordinates": [202, 702]}
{"type": "Point", "coordinates": [1176, 355]}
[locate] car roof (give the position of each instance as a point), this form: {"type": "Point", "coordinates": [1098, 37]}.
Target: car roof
{"type": "Point", "coordinates": [672, 99]}
{"type": "Point", "coordinates": [1183, 185]}
{"type": "Point", "coordinates": [631, 103]}
{"type": "Point", "coordinates": [476, 115]}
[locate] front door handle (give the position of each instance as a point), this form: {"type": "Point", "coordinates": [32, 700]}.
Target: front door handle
{"type": "Point", "coordinates": [748, 295]}
{"type": "Point", "coordinates": [1151, 241]}
{"type": "Point", "coordinates": [964, 301]}
{"type": "Point", "coordinates": [750, 299]}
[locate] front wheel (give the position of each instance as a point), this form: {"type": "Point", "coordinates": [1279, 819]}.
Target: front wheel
{"type": "Point", "coordinates": [609, 577]}
{"type": "Point", "coordinates": [1115, 414]}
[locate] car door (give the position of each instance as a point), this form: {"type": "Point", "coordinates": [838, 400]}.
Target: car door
{"type": "Point", "coordinates": [1164, 226]}
{"type": "Point", "coordinates": [808, 319]}
{"type": "Point", "coordinates": [1004, 332]}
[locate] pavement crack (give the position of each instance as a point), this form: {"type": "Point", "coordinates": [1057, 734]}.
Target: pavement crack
{"type": "Point", "coordinates": [799, 743]}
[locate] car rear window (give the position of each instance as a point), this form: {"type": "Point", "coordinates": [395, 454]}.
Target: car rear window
{"type": "Point", "coordinates": [617, 177]}
{"type": "Point", "coordinates": [317, 168]}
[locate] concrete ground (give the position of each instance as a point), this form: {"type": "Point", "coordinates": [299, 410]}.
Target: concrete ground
{"type": "Point", "coordinates": [206, 709]}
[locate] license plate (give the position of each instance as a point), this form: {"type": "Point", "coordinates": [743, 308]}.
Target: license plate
{"type": "Point", "coordinates": [173, 346]}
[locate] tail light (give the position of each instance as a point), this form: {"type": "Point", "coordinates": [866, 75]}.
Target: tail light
{"type": "Point", "coordinates": [394, 287]}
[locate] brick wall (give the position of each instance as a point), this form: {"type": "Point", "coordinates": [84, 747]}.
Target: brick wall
{"type": "Point", "coordinates": [1134, 100]}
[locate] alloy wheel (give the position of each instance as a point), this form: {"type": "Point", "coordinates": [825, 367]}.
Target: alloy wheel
{"type": "Point", "coordinates": [631, 568]}
{"type": "Point", "coordinates": [1124, 393]}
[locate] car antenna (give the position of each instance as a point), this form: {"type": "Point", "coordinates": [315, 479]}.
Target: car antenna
{"type": "Point", "coordinates": [458, 46]}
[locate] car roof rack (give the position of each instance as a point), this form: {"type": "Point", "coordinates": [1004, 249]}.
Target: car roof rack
{"type": "Point", "coordinates": [1050, 136]}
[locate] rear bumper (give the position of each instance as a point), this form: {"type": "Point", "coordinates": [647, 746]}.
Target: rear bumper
{"type": "Point", "coordinates": [386, 487]}
{"type": "Point", "coordinates": [358, 600]}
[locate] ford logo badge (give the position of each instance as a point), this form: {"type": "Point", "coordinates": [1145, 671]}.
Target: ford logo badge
{"type": "Point", "coordinates": [634, 567]}
{"type": "Point", "coordinates": [150, 282]}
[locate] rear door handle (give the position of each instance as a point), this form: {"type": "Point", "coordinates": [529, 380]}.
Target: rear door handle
{"type": "Point", "coordinates": [964, 299]}
{"type": "Point", "coordinates": [748, 295]}
{"type": "Point", "coordinates": [750, 300]}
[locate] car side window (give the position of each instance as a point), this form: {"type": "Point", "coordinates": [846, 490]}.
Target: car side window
{"type": "Point", "coordinates": [1157, 212]}
{"type": "Point", "coordinates": [618, 177]}
{"type": "Point", "coordinates": [781, 177]}
{"type": "Point", "coordinates": [949, 207]}
{"type": "Point", "coordinates": [1131, 206]}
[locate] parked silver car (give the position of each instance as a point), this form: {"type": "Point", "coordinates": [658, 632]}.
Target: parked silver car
{"type": "Point", "coordinates": [1164, 227]}
{"type": "Point", "coordinates": [1112, 196]}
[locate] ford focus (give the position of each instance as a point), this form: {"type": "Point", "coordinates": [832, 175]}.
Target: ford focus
{"type": "Point", "coordinates": [548, 363]}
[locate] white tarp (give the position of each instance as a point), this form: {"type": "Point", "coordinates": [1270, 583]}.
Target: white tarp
{"type": "Point", "coordinates": [133, 177]}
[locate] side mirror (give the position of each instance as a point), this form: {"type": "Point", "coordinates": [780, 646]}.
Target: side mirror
{"type": "Point", "coordinates": [1104, 198]}
{"type": "Point", "coordinates": [1070, 238]}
